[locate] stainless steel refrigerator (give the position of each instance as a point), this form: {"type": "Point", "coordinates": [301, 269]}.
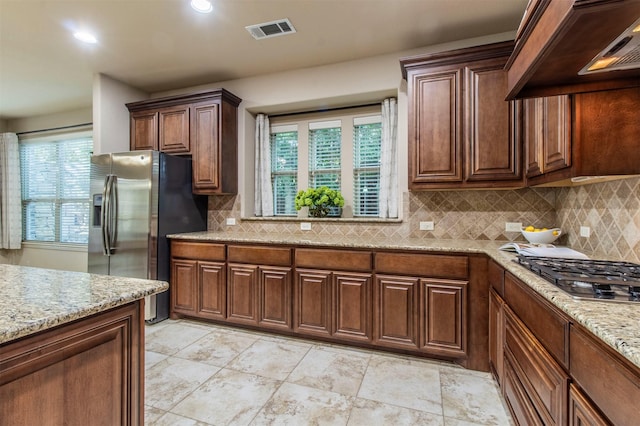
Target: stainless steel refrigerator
{"type": "Point", "coordinates": [138, 198]}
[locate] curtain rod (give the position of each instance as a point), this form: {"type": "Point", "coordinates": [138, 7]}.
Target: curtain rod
{"type": "Point", "coordinates": [55, 128]}
{"type": "Point", "coordinates": [322, 110]}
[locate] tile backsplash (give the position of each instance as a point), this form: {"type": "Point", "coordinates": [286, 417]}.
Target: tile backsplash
{"type": "Point", "coordinates": [610, 209]}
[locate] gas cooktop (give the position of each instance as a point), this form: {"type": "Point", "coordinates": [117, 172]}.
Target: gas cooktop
{"type": "Point", "coordinates": [589, 279]}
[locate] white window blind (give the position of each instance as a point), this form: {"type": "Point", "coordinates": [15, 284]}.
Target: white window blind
{"type": "Point", "coordinates": [367, 139]}
{"type": "Point", "coordinates": [324, 154]}
{"type": "Point", "coordinates": [55, 190]}
{"type": "Point", "coordinates": [284, 169]}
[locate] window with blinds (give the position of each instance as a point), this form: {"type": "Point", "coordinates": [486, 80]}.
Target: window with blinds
{"type": "Point", "coordinates": [367, 140]}
{"type": "Point", "coordinates": [284, 169]}
{"type": "Point", "coordinates": [55, 190]}
{"type": "Point", "coordinates": [325, 143]}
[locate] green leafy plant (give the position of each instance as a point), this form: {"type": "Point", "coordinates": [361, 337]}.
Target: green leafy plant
{"type": "Point", "coordinates": [319, 200]}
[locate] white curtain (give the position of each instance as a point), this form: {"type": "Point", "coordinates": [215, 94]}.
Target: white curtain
{"type": "Point", "coordinates": [263, 200]}
{"type": "Point", "coordinates": [388, 157]}
{"type": "Point", "coordinates": [10, 202]}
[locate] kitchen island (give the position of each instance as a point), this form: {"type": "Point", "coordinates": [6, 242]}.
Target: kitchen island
{"type": "Point", "coordinates": [71, 347]}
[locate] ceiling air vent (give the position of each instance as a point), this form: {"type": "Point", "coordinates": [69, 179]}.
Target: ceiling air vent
{"type": "Point", "coordinates": [271, 29]}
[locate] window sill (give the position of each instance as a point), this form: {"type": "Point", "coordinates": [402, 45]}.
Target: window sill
{"type": "Point", "coordinates": [295, 219]}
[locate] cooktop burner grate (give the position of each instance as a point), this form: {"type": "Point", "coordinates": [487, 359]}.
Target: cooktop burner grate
{"type": "Point", "coordinates": [589, 279]}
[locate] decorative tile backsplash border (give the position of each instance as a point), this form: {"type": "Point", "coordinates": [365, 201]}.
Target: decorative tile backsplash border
{"type": "Point", "coordinates": [610, 209]}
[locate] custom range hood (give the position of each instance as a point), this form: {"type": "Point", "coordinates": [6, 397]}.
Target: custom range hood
{"type": "Point", "coordinates": [573, 46]}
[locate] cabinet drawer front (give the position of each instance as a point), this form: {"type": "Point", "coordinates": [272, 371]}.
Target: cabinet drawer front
{"type": "Point", "coordinates": [547, 324]}
{"type": "Point", "coordinates": [276, 256]}
{"type": "Point", "coordinates": [496, 277]}
{"type": "Point", "coordinates": [516, 396]}
{"type": "Point", "coordinates": [425, 265]}
{"type": "Point", "coordinates": [348, 260]}
{"type": "Point", "coordinates": [544, 379]}
{"type": "Point", "coordinates": [607, 379]}
{"type": "Point", "coordinates": [200, 251]}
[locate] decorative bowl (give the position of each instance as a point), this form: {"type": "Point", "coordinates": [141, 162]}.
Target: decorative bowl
{"type": "Point", "coordinates": [543, 236]}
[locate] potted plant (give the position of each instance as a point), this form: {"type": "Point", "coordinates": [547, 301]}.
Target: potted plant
{"type": "Point", "coordinates": [319, 200]}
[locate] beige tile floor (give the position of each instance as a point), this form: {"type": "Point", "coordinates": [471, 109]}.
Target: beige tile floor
{"type": "Point", "coordinates": [203, 374]}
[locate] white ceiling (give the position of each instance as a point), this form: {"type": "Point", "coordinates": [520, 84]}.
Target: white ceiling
{"type": "Point", "coordinates": [158, 45]}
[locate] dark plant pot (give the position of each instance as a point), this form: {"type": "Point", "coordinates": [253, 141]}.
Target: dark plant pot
{"type": "Point", "coordinates": [325, 211]}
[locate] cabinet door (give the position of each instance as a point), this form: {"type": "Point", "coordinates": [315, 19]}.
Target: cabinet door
{"type": "Point", "coordinates": [557, 132]}
{"type": "Point", "coordinates": [174, 129]}
{"type": "Point", "coordinates": [522, 410]}
{"type": "Point", "coordinates": [582, 412]}
{"type": "Point", "coordinates": [144, 130]}
{"type": "Point", "coordinates": [544, 380]}
{"type": "Point", "coordinates": [213, 290]}
{"type": "Point", "coordinates": [206, 148]}
{"type": "Point", "coordinates": [183, 286]}
{"type": "Point", "coordinates": [274, 310]}
{"type": "Point", "coordinates": [396, 312]}
{"type": "Point", "coordinates": [443, 307]}
{"type": "Point", "coordinates": [492, 134]}
{"type": "Point", "coordinates": [496, 335]}
{"type": "Point", "coordinates": [435, 145]}
{"type": "Point", "coordinates": [532, 135]}
{"type": "Point", "coordinates": [312, 304]}
{"type": "Point", "coordinates": [242, 286]}
{"type": "Point", "coordinates": [352, 306]}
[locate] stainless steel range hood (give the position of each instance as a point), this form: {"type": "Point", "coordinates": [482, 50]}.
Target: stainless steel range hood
{"type": "Point", "coordinates": [622, 54]}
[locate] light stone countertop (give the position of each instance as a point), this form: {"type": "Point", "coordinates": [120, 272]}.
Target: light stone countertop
{"type": "Point", "coordinates": [35, 299]}
{"type": "Point", "coordinates": [617, 324]}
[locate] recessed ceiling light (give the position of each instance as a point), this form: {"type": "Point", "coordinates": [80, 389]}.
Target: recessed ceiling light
{"type": "Point", "coordinates": [202, 6]}
{"type": "Point", "coordinates": [85, 37]}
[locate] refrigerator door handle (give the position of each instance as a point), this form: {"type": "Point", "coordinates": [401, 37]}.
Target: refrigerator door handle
{"type": "Point", "coordinates": [104, 215]}
{"type": "Point", "coordinates": [113, 213]}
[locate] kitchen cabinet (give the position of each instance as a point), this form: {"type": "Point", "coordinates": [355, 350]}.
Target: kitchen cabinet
{"type": "Point", "coordinates": [423, 305]}
{"type": "Point", "coordinates": [198, 280]}
{"type": "Point", "coordinates": [462, 134]}
{"type": "Point", "coordinates": [89, 371]}
{"type": "Point", "coordinates": [547, 134]}
{"type": "Point", "coordinates": [333, 302]}
{"type": "Point", "coordinates": [556, 39]}
{"type": "Point", "coordinates": [582, 412]}
{"type": "Point", "coordinates": [586, 136]}
{"type": "Point", "coordinates": [259, 286]}
{"type": "Point", "coordinates": [496, 336]}
{"type": "Point", "coordinates": [535, 372]}
{"type": "Point", "coordinates": [203, 125]}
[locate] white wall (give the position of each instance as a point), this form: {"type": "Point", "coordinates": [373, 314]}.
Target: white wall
{"type": "Point", "coordinates": [110, 115]}
{"type": "Point", "coordinates": [50, 121]}
{"type": "Point", "coordinates": [42, 256]}
{"type": "Point", "coordinates": [347, 83]}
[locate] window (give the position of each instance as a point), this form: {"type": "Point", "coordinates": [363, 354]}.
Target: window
{"type": "Point", "coordinates": [284, 169]}
{"type": "Point", "coordinates": [367, 140]}
{"type": "Point", "coordinates": [55, 189]}
{"type": "Point", "coordinates": [338, 149]}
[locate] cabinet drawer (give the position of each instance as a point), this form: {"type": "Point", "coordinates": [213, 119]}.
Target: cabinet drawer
{"type": "Point", "coordinates": [496, 277]}
{"type": "Point", "coordinates": [545, 322]}
{"type": "Point", "coordinates": [424, 265]}
{"type": "Point", "coordinates": [545, 381]}
{"type": "Point", "coordinates": [199, 251]}
{"type": "Point", "coordinates": [609, 380]}
{"type": "Point", "coordinates": [345, 260]}
{"type": "Point", "coordinates": [276, 256]}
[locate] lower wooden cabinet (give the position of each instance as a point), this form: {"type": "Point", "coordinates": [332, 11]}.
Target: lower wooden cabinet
{"type": "Point", "coordinates": [396, 308]}
{"type": "Point", "coordinates": [582, 412]}
{"type": "Point", "coordinates": [87, 372]}
{"type": "Point", "coordinates": [352, 300]}
{"type": "Point", "coordinates": [333, 304]}
{"type": "Point", "coordinates": [496, 336]}
{"type": "Point", "coordinates": [545, 382]}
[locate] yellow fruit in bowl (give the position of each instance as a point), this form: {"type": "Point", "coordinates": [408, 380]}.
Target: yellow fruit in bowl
{"type": "Point", "coordinates": [555, 233]}
{"type": "Point", "coordinates": [529, 228]}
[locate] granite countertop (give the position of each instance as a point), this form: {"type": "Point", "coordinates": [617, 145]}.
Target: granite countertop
{"type": "Point", "coordinates": [35, 299]}
{"type": "Point", "coordinates": [617, 324]}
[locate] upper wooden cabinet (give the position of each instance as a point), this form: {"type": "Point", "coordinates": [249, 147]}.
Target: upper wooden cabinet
{"type": "Point", "coordinates": [462, 134]}
{"type": "Point", "coordinates": [556, 39]}
{"type": "Point", "coordinates": [576, 138]}
{"type": "Point", "coordinates": [203, 125]}
{"type": "Point", "coordinates": [547, 134]}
